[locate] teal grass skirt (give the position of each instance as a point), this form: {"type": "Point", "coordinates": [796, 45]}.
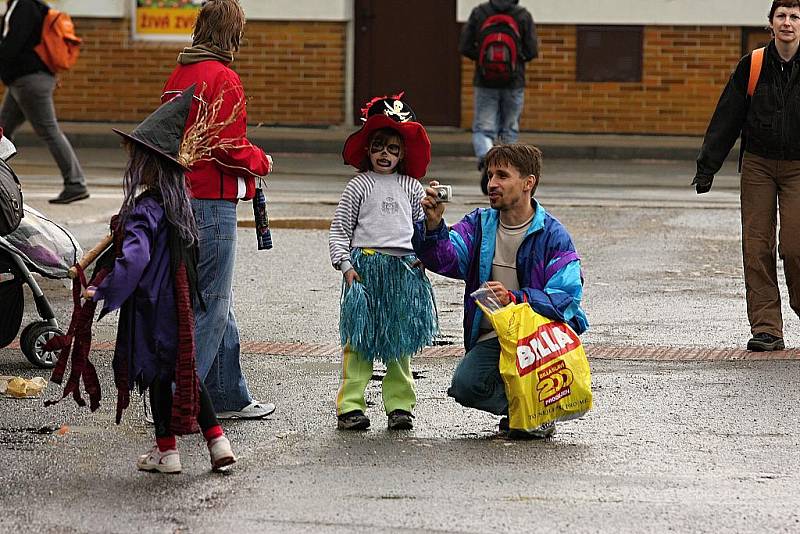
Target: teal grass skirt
{"type": "Point", "coordinates": [391, 313]}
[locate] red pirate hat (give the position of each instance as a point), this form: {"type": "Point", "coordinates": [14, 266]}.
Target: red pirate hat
{"type": "Point", "coordinates": [390, 112]}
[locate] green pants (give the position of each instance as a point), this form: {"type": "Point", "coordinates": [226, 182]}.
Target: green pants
{"type": "Point", "coordinates": [398, 384]}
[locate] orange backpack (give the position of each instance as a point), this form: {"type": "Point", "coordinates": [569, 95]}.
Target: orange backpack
{"type": "Point", "coordinates": [59, 47]}
{"type": "Point", "coordinates": [756, 61]}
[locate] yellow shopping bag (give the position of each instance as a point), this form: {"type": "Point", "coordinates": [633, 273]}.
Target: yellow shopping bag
{"type": "Point", "coordinates": [543, 365]}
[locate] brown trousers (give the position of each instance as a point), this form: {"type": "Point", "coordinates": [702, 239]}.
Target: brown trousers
{"type": "Point", "coordinates": [769, 187]}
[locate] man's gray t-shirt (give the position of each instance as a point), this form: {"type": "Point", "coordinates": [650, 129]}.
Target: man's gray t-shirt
{"type": "Point", "coordinates": [504, 264]}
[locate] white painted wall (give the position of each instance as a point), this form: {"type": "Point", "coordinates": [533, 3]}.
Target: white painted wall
{"type": "Point", "coordinates": [335, 10]}
{"type": "Point", "coordinates": [326, 10]}
{"type": "Point", "coordinates": [115, 9]}
{"type": "Point", "coordinates": [650, 12]}
{"type": "Point", "coordinates": [91, 8]}
{"type": "Point", "coordinates": [655, 12]}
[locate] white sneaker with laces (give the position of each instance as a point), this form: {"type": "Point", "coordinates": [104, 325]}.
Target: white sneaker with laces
{"type": "Point", "coordinates": [221, 453]}
{"type": "Point", "coordinates": [163, 462]}
{"type": "Point", "coordinates": [254, 410]}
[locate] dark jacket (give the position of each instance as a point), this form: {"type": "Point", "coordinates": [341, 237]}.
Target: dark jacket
{"type": "Point", "coordinates": [769, 123]}
{"type": "Point", "coordinates": [469, 45]}
{"type": "Point", "coordinates": [20, 32]}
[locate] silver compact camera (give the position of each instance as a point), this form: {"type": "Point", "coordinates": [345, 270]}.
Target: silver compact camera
{"type": "Point", "coordinates": [444, 193]}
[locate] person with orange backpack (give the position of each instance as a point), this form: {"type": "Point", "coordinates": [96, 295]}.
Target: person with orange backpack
{"type": "Point", "coordinates": [500, 37]}
{"type": "Point", "coordinates": [30, 82]}
{"type": "Point", "coordinates": [760, 103]}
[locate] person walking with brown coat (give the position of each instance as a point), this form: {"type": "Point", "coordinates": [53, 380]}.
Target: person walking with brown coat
{"type": "Point", "coordinates": [769, 124]}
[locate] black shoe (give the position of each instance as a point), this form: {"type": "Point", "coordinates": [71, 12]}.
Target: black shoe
{"type": "Point", "coordinates": [70, 195]}
{"type": "Point", "coordinates": [765, 342]}
{"type": "Point", "coordinates": [503, 426]}
{"type": "Point", "coordinates": [355, 420]}
{"type": "Point", "coordinates": [400, 420]}
{"type": "Point", "coordinates": [543, 432]}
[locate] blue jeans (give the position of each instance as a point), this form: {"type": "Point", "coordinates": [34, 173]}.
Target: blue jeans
{"type": "Point", "coordinates": [497, 113]}
{"type": "Point", "coordinates": [31, 97]}
{"type": "Point", "coordinates": [216, 333]}
{"type": "Point", "coordinates": [477, 382]}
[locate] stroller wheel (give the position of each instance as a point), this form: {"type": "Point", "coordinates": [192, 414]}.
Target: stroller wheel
{"type": "Point", "coordinates": [33, 342]}
{"type": "Point", "coordinates": [26, 331]}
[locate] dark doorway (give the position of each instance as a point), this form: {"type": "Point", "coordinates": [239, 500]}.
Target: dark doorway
{"type": "Point", "coordinates": [411, 46]}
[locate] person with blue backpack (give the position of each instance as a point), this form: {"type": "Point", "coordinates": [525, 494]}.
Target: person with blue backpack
{"type": "Point", "coordinates": [520, 251]}
{"type": "Point", "coordinates": [500, 37]}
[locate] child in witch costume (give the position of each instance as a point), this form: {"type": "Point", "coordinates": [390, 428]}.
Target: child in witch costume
{"type": "Point", "coordinates": [387, 311]}
{"type": "Point", "coordinates": [150, 274]}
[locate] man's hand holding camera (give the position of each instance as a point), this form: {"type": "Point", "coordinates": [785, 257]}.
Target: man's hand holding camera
{"type": "Point", "coordinates": [434, 203]}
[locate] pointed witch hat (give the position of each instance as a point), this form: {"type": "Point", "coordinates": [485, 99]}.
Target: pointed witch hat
{"type": "Point", "coordinates": [162, 131]}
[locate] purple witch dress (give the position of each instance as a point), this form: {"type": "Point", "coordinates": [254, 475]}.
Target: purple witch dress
{"type": "Point", "coordinates": [141, 285]}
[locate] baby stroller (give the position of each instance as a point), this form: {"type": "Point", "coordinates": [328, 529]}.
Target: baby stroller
{"type": "Point", "coordinates": [40, 246]}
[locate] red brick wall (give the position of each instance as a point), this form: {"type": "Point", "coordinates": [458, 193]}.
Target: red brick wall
{"type": "Point", "coordinates": [684, 71]}
{"type": "Point", "coordinates": [293, 73]}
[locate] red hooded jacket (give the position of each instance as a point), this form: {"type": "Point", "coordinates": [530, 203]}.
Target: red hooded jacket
{"type": "Point", "coordinates": [219, 178]}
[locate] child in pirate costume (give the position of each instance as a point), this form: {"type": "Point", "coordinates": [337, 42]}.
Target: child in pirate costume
{"type": "Point", "coordinates": [387, 311]}
{"type": "Point", "coordinates": [150, 275]}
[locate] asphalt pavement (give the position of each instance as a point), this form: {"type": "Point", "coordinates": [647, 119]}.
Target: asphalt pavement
{"type": "Point", "coordinates": [671, 445]}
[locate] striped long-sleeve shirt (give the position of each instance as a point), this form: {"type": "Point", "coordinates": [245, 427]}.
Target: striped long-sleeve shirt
{"type": "Point", "coordinates": [376, 211]}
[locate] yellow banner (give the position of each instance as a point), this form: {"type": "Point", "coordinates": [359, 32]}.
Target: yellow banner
{"type": "Point", "coordinates": [164, 21]}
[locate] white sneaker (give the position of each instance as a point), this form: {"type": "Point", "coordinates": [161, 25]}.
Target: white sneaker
{"type": "Point", "coordinates": [163, 462]}
{"type": "Point", "coordinates": [221, 453]}
{"type": "Point", "coordinates": [254, 410]}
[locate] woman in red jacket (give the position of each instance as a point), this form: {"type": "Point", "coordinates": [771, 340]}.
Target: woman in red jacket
{"type": "Point", "coordinates": [216, 184]}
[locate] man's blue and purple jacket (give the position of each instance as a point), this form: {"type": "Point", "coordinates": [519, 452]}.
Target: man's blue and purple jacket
{"type": "Point", "coordinates": [548, 267]}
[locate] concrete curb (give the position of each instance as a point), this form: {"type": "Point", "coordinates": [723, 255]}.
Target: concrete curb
{"type": "Point", "coordinates": [446, 142]}
{"type": "Point", "coordinates": [291, 223]}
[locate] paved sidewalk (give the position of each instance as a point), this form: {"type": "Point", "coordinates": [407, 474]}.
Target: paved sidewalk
{"type": "Point", "coordinates": [445, 141]}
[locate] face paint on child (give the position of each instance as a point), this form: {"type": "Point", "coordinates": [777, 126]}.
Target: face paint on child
{"type": "Point", "coordinates": [385, 153]}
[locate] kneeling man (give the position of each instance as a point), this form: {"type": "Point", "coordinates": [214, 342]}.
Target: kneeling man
{"type": "Point", "coordinates": [523, 252]}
